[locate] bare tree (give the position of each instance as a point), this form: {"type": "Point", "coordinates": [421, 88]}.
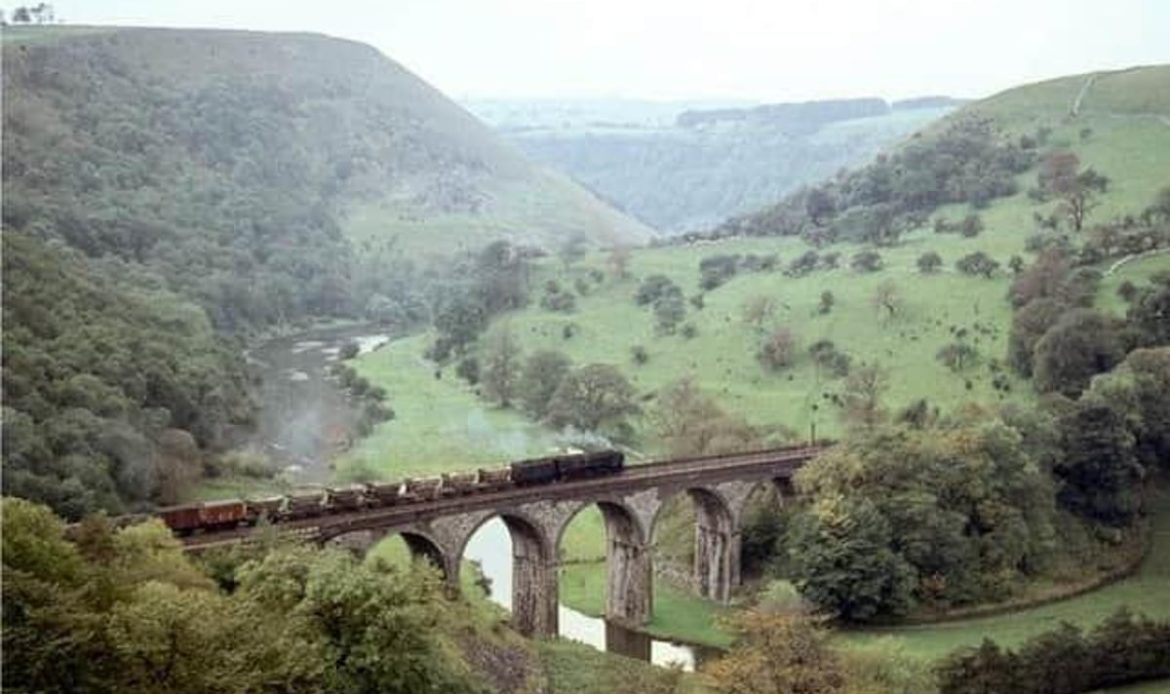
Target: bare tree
{"type": "Point", "coordinates": [501, 374]}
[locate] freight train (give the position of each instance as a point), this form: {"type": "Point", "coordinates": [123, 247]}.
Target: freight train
{"type": "Point", "coordinates": [220, 515]}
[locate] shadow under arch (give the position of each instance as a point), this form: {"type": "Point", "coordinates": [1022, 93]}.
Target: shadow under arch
{"type": "Point", "coordinates": [628, 562]}
{"type": "Point", "coordinates": [534, 577]}
{"type": "Point", "coordinates": [715, 562]}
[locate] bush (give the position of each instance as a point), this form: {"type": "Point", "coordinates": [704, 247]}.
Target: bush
{"type": "Point", "coordinates": [654, 287]}
{"type": "Point", "coordinates": [640, 355]}
{"type": "Point", "coordinates": [971, 225]}
{"type": "Point", "coordinates": [866, 261]}
{"type": "Point", "coordinates": [717, 269]}
{"type": "Point", "coordinates": [826, 304]}
{"type": "Point", "coordinates": [349, 350]}
{"type": "Point", "coordinates": [977, 263]}
{"type": "Point", "coordinates": [929, 262]}
{"type": "Point", "coordinates": [1121, 650]}
{"type": "Point", "coordinates": [689, 331]}
{"type": "Point", "coordinates": [468, 370]}
{"type": "Point", "coordinates": [778, 349]}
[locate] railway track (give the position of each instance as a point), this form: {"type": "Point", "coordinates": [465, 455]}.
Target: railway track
{"type": "Point", "coordinates": [677, 473]}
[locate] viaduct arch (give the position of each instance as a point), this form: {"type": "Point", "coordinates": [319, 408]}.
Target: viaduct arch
{"type": "Point", "coordinates": [536, 519]}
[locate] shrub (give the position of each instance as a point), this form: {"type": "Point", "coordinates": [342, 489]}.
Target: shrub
{"type": "Point", "coordinates": [640, 355]}
{"type": "Point", "coordinates": [468, 370]}
{"type": "Point", "coordinates": [654, 287]}
{"type": "Point", "coordinates": [778, 349]}
{"type": "Point", "coordinates": [971, 225]}
{"type": "Point", "coordinates": [977, 263]}
{"type": "Point", "coordinates": [716, 270]}
{"type": "Point", "coordinates": [689, 331]}
{"type": "Point", "coordinates": [349, 350]}
{"type": "Point", "coordinates": [826, 304]}
{"type": "Point", "coordinates": [866, 261]}
{"type": "Point", "coordinates": [929, 262]}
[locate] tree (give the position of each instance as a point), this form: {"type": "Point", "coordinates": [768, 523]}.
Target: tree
{"type": "Point", "coordinates": [1098, 469]}
{"type": "Point", "coordinates": [691, 423]}
{"type": "Point", "coordinates": [1044, 278]}
{"type": "Point", "coordinates": [929, 262]}
{"type": "Point", "coordinates": [842, 563]}
{"type": "Point", "coordinates": [887, 298]}
{"type": "Point", "coordinates": [862, 395]}
{"type": "Point", "coordinates": [654, 287]}
{"type": "Point", "coordinates": [778, 350]}
{"type": "Point", "coordinates": [461, 321]}
{"type": "Point", "coordinates": [21, 16]}
{"type": "Point", "coordinates": [826, 304]}
{"type": "Point", "coordinates": [971, 225]}
{"type": "Point", "coordinates": [717, 269]}
{"type": "Point", "coordinates": [543, 372]}
{"type": "Point", "coordinates": [776, 654]}
{"type": "Point", "coordinates": [1029, 324]}
{"type": "Point", "coordinates": [669, 311]}
{"type": "Point", "coordinates": [501, 372]}
{"type": "Point", "coordinates": [1081, 345]}
{"type": "Point", "coordinates": [592, 397]}
{"type": "Point", "coordinates": [1060, 176]}
{"type": "Point", "coordinates": [758, 310]}
{"type": "Point", "coordinates": [818, 204]}
{"type": "Point", "coordinates": [977, 263]}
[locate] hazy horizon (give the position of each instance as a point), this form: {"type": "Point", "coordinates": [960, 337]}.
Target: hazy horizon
{"type": "Point", "coordinates": [676, 51]}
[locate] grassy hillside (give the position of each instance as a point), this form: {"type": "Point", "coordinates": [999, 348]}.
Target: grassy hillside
{"type": "Point", "coordinates": [935, 309]}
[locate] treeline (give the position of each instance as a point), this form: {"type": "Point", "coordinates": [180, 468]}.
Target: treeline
{"type": "Point", "coordinates": [110, 389]}
{"type": "Point", "coordinates": [1121, 650]}
{"type": "Point", "coordinates": [779, 651]}
{"type": "Point", "coordinates": [920, 510]}
{"type": "Point", "coordinates": [966, 161]}
{"type": "Point", "coordinates": [125, 610]}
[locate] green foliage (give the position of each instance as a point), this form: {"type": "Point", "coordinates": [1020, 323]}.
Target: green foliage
{"type": "Point", "coordinates": [929, 262]}
{"type": "Point", "coordinates": [1065, 660]}
{"type": "Point", "coordinates": [866, 261]}
{"type": "Point", "coordinates": [966, 160]}
{"type": "Point", "coordinates": [714, 270]}
{"type": "Point", "coordinates": [654, 287]}
{"type": "Point", "coordinates": [963, 507]}
{"type": "Point", "coordinates": [840, 560]}
{"type": "Point", "coordinates": [1098, 470]}
{"type": "Point", "coordinates": [596, 397]}
{"type": "Point", "coordinates": [1080, 345]}
{"type": "Point", "coordinates": [126, 611]}
{"type": "Point", "coordinates": [502, 366]}
{"type": "Point", "coordinates": [977, 263]}
{"type": "Point", "coordinates": [543, 373]}
{"type": "Point", "coordinates": [95, 372]}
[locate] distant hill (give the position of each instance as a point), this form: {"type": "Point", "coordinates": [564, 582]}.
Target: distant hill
{"type": "Point", "coordinates": [165, 191]}
{"type": "Point", "coordinates": [329, 121]}
{"type": "Point", "coordinates": [981, 156]}
{"type": "Point", "coordinates": [681, 166]}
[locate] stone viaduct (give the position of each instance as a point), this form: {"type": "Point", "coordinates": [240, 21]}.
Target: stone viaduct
{"type": "Point", "coordinates": [537, 516]}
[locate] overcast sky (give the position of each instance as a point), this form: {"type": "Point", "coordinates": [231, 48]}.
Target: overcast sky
{"type": "Point", "coordinates": [766, 50]}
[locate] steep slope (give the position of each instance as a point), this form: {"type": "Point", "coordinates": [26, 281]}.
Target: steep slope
{"type": "Point", "coordinates": [211, 153]}
{"type": "Point", "coordinates": [683, 166]}
{"type": "Point", "coordinates": [164, 188]}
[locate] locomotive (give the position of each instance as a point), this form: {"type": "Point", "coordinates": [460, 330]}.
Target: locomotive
{"type": "Point", "coordinates": [220, 515]}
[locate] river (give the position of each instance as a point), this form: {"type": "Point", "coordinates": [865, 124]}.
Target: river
{"type": "Point", "coordinates": [306, 419]}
